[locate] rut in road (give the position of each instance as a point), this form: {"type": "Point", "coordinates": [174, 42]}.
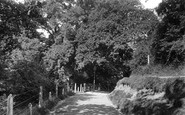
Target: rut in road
{"type": "Point", "coordinates": [89, 103]}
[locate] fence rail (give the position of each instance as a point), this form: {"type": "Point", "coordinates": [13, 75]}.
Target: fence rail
{"type": "Point", "coordinates": [10, 105]}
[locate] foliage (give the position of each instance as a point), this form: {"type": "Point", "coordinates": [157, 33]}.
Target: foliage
{"type": "Point", "coordinates": [172, 103]}
{"type": "Point", "coordinates": [59, 56]}
{"type": "Point", "coordinates": [96, 33]}
{"type": "Point", "coordinates": [168, 43]}
{"type": "Point", "coordinates": [26, 70]}
{"type": "Point", "coordinates": [175, 92]}
{"type": "Point", "coordinates": [88, 40]}
{"type": "Point", "coordinates": [145, 107]}
{"type": "Point", "coordinates": [16, 19]}
{"type": "Point", "coordinates": [109, 35]}
{"type": "Point", "coordinates": [109, 29]}
{"type": "Point", "coordinates": [21, 48]}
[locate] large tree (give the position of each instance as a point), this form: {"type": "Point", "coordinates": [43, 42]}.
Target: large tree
{"type": "Point", "coordinates": [168, 43]}
{"type": "Point", "coordinates": [100, 33]}
{"type": "Point", "coordinates": [16, 19]}
{"type": "Point", "coordinates": [65, 17]}
{"type": "Point", "coordinates": [22, 47]}
{"type": "Point", "coordinates": [112, 33]}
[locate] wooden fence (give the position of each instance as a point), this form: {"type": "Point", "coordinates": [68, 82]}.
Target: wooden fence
{"type": "Point", "coordinates": [80, 88]}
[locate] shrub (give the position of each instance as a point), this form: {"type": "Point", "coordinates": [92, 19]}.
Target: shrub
{"type": "Point", "coordinates": [145, 107]}
{"type": "Point", "coordinates": [127, 107]}
{"type": "Point", "coordinates": [154, 83]}
{"type": "Point", "coordinates": [175, 91]}
{"type": "Point", "coordinates": [116, 96]}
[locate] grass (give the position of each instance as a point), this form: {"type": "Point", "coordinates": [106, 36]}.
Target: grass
{"type": "Point", "coordinates": [47, 106]}
{"type": "Point", "coordinates": [159, 70]}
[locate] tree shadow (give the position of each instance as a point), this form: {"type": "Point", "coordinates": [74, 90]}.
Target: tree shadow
{"type": "Point", "coordinates": [71, 107]}
{"type": "Point", "coordinates": [90, 110]}
{"type": "Point", "coordinates": [74, 99]}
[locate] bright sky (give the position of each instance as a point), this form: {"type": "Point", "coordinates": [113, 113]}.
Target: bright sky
{"type": "Point", "coordinates": [150, 3]}
{"type": "Point", "coordinates": [19, 1]}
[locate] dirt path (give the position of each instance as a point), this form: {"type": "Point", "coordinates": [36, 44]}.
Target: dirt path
{"type": "Point", "coordinates": [89, 103]}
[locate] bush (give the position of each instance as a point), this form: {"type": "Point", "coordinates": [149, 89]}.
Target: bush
{"type": "Point", "coordinates": [127, 107]}
{"type": "Point", "coordinates": [144, 107]}
{"type": "Point", "coordinates": [117, 96]}
{"type": "Point", "coordinates": [154, 83]}
{"type": "Point", "coordinates": [28, 77]}
{"type": "Point", "coordinates": [175, 92]}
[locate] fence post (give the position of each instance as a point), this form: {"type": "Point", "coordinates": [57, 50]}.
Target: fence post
{"type": "Point", "coordinates": [80, 87]}
{"type": "Point", "coordinates": [10, 105]}
{"type": "Point", "coordinates": [41, 97]}
{"type": "Point", "coordinates": [148, 59]}
{"type": "Point", "coordinates": [50, 96]}
{"type": "Point", "coordinates": [30, 108]}
{"type": "Point", "coordinates": [75, 88]}
{"type": "Point", "coordinates": [56, 89]}
{"type": "Point", "coordinates": [63, 92]}
{"type": "Point", "coordinates": [84, 87]}
{"type": "Point", "coordinates": [68, 86]}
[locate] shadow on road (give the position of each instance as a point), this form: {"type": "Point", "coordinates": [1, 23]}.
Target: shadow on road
{"type": "Point", "coordinates": [71, 107]}
{"type": "Point", "coordinates": [89, 110]}
{"type": "Point", "coordinates": [74, 99]}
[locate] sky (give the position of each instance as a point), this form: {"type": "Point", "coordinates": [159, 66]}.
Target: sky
{"type": "Point", "coordinates": [150, 4]}
{"type": "Point", "coordinates": [19, 1]}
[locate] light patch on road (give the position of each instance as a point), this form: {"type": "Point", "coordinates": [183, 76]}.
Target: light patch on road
{"type": "Point", "coordinates": [97, 99]}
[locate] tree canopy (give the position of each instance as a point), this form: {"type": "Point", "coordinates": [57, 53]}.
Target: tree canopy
{"type": "Point", "coordinates": [168, 44]}
{"type": "Point", "coordinates": [105, 34]}
{"type": "Point", "coordinates": [113, 36]}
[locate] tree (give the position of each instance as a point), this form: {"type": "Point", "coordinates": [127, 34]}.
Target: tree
{"type": "Point", "coordinates": [103, 33]}
{"type": "Point", "coordinates": [22, 47]}
{"type": "Point", "coordinates": [25, 65]}
{"type": "Point", "coordinates": [16, 19]}
{"type": "Point", "coordinates": [168, 43]}
{"type": "Point", "coordinates": [65, 18]}
{"type": "Point", "coordinates": [112, 32]}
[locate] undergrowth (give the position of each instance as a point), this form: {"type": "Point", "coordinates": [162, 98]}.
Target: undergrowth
{"type": "Point", "coordinates": [48, 105]}
{"type": "Point", "coordinates": [160, 79]}
{"type": "Point", "coordinates": [171, 104]}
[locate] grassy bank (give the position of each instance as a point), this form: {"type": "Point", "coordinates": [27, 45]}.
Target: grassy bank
{"type": "Point", "coordinates": [146, 94]}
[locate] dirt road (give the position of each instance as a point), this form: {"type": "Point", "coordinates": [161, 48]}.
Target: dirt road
{"type": "Point", "coordinates": [89, 103]}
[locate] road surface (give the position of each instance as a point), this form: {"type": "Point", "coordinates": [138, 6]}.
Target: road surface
{"type": "Point", "coordinates": [89, 103]}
